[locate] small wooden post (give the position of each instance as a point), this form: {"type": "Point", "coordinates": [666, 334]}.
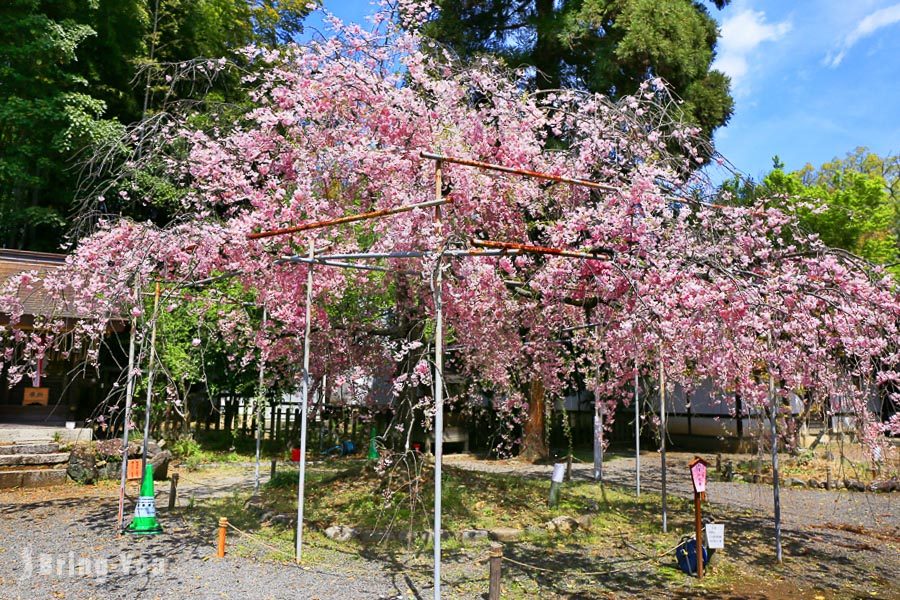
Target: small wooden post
{"type": "Point", "coordinates": [495, 560]}
{"type": "Point", "coordinates": [718, 463]}
{"type": "Point", "coordinates": [272, 473]}
{"type": "Point", "coordinates": [697, 468]}
{"type": "Point", "coordinates": [829, 482]}
{"type": "Point", "coordinates": [698, 528]}
{"type": "Point", "coordinates": [223, 524]}
{"type": "Point", "coordinates": [173, 490]}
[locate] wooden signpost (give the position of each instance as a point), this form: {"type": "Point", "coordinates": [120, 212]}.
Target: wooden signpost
{"type": "Point", "coordinates": [698, 478]}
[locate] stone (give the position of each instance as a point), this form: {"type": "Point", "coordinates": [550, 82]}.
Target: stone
{"type": "Point", "coordinates": [29, 448]}
{"type": "Point", "coordinates": [10, 479]}
{"type": "Point", "coordinates": [473, 534]}
{"type": "Point", "coordinates": [83, 465]}
{"type": "Point", "coordinates": [160, 462]}
{"type": "Point", "coordinates": [341, 533]}
{"type": "Point", "coordinates": [815, 484]}
{"type": "Point", "coordinates": [584, 522]}
{"type": "Point", "coordinates": [108, 448]}
{"type": "Point", "coordinates": [794, 482]}
{"type": "Point", "coordinates": [19, 460]}
{"type": "Point", "coordinates": [592, 506]}
{"type": "Point", "coordinates": [43, 478]}
{"type": "Point", "coordinates": [110, 469]}
{"type": "Point", "coordinates": [254, 503]}
{"type": "Point", "coordinates": [562, 524]}
{"type": "Point", "coordinates": [422, 536]}
{"type": "Point", "coordinates": [504, 534]}
{"type": "Point", "coordinates": [854, 485]}
{"type": "Point", "coordinates": [884, 486]}
{"type": "Point", "coordinates": [283, 519]}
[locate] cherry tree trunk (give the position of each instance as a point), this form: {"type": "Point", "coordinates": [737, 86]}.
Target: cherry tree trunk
{"type": "Point", "coordinates": [534, 445]}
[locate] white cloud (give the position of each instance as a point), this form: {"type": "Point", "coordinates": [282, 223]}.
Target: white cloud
{"type": "Point", "coordinates": [866, 27]}
{"type": "Point", "coordinates": [742, 33]}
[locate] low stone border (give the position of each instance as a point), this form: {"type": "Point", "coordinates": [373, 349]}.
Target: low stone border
{"type": "Point", "coordinates": [561, 525]}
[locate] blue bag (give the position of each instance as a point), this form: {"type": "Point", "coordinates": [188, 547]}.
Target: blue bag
{"type": "Point", "coordinates": [686, 555]}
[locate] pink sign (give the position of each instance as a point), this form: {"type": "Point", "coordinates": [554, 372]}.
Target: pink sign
{"type": "Point", "coordinates": [698, 474]}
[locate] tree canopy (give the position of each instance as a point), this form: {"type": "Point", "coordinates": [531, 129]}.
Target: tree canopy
{"type": "Point", "coordinates": [851, 203]}
{"type": "Point", "coordinates": [73, 73]}
{"type": "Point", "coordinates": [606, 46]}
{"type": "Point", "coordinates": [336, 127]}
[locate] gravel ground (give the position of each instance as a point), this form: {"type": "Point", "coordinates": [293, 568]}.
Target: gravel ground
{"type": "Point", "coordinates": [840, 544]}
{"type": "Point", "coordinates": [48, 543]}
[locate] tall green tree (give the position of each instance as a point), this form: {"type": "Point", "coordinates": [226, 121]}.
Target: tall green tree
{"type": "Point", "coordinates": [46, 116]}
{"type": "Point", "coordinates": [73, 73]}
{"type": "Point", "coordinates": [607, 46]}
{"type": "Point", "coordinates": [852, 203]}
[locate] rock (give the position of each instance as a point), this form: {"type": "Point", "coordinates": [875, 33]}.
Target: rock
{"type": "Point", "coordinates": [794, 482]}
{"type": "Point", "coordinates": [111, 469]}
{"type": "Point", "coordinates": [738, 478]}
{"type": "Point", "coordinates": [854, 485]}
{"type": "Point", "coordinates": [160, 462]}
{"type": "Point", "coordinates": [423, 536]}
{"type": "Point", "coordinates": [152, 448]}
{"type": "Point", "coordinates": [283, 519]}
{"type": "Point", "coordinates": [341, 533]}
{"type": "Point", "coordinates": [83, 465]}
{"type": "Point", "coordinates": [473, 534]}
{"type": "Point", "coordinates": [592, 506]}
{"type": "Point", "coordinates": [108, 448]}
{"type": "Point", "coordinates": [562, 524]}
{"type": "Point", "coordinates": [584, 522]}
{"type": "Point", "coordinates": [504, 534]}
{"type": "Point", "coordinates": [254, 503]}
{"type": "Point", "coordinates": [884, 486]}
{"type": "Point", "coordinates": [815, 484]}
{"type": "Point", "coordinates": [135, 450]}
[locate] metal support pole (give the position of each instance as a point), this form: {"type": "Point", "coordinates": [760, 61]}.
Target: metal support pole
{"type": "Point", "coordinates": [260, 399]}
{"type": "Point", "coordinates": [662, 438]}
{"type": "Point", "coordinates": [150, 381]}
{"type": "Point", "coordinates": [438, 393]}
{"type": "Point", "coordinates": [773, 408]}
{"type": "Point", "coordinates": [304, 403]}
{"type": "Point", "coordinates": [129, 391]}
{"type": "Point", "coordinates": [598, 424]}
{"type": "Point", "coordinates": [637, 434]}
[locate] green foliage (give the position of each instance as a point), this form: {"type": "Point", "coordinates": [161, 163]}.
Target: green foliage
{"type": "Point", "coordinates": [607, 46]}
{"type": "Point", "coordinates": [73, 73]}
{"type": "Point", "coordinates": [46, 117]}
{"type": "Point", "coordinates": [185, 447]}
{"type": "Point", "coordinates": [851, 203]}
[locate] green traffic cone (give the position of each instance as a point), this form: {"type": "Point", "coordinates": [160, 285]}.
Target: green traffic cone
{"type": "Point", "coordinates": [373, 448]}
{"type": "Point", "coordinates": [144, 522]}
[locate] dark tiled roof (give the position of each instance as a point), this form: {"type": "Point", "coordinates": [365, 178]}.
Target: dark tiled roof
{"type": "Point", "coordinates": [36, 302]}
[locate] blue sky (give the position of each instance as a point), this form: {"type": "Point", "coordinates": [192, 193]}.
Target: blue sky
{"type": "Point", "coordinates": [811, 80]}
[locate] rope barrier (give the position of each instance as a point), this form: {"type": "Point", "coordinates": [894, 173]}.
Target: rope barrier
{"type": "Point", "coordinates": [571, 572]}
